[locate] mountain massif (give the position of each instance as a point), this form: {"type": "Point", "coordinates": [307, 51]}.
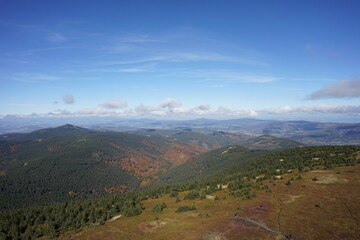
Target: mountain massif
{"type": "Point", "coordinates": [175, 183]}
{"type": "Point", "coordinates": [70, 162]}
{"type": "Point", "coordinates": [216, 139]}
{"type": "Point", "coordinates": [305, 132]}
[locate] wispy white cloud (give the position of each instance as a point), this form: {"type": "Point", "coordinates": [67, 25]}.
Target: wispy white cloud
{"type": "Point", "coordinates": [137, 38]}
{"type": "Point", "coordinates": [340, 89]}
{"type": "Point", "coordinates": [309, 47]}
{"type": "Point", "coordinates": [316, 109]}
{"type": "Point", "coordinates": [222, 75]}
{"type": "Point", "coordinates": [217, 86]}
{"type": "Point", "coordinates": [173, 108]}
{"type": "Point", "coordinates": [26, 27]}
{"type": "Point", "coordinates": [114, 104]}
{"type": "Point", "coordinates": [170, 103]}
{"type": "Point", "coordinates": [171, 47]}
{"type": "Point", "coordinates": [133, 61]}
{"type": "Point", "coordinates": [18, 104]}
{"type": "Point", "coordinates": [57, 38]}
{"type": "Point", "coordinates": [95, 111]}
{"type": "Point", "coordinates": [254, 79]}
{"type": "Point", "coordinates": [203, 107]}
{"type": "Point", "coordinates": [178, 57]}
{"type": "Point", "coordinates": [68, 99]}
{"type": "Point", "coordinates": [131, 43]}
{"type": "Point", "coordinates": [34, 77]}
{"type": "Point", "coordinates": [123, 70]}
{"type": "Point", "coordinates": [147, 110]}
{"type": "Point", "coordinates": [244, 77]}
{"type": "Point", "coordinates": [319, 51]}
{"type": "Point", "coordinates": [35, 50]}
{"type": "Point", "coordinates": [71, 22]}
{"type": "Point", "coordinates": [16, 61]}
{"type": "Point", "coordinates": [225, 111]}
{"type": "Point", "coordinates": [60, 113]}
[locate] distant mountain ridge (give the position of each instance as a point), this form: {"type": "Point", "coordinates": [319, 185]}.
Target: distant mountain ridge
{"type": "Point", "coordinates": [64, 130]}
{"type": "Point", "coordinates": [307, 132]}
{"type": "Point", "coordinates": [217, 139]}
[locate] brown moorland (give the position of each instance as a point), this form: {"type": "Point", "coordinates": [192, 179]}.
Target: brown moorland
{"type": "Point", "coordinates": [320, 205]}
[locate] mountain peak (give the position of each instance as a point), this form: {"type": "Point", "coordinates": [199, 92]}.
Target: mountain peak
{"type": "Point", "coordinates": [68, 126]}
{"type": "Point", "coordinates": [64, 130]}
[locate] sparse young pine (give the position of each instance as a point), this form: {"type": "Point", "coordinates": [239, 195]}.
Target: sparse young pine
{"type": "Point", "coordinates": [159, 207]}
{"type": "Point", "coordinates": [185, 208]}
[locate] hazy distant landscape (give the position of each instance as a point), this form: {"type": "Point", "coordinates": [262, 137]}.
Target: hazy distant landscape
{"type": "Point", "coordinates": [307, 132]}
{"type": "Point", "coordinates": [184, 120]}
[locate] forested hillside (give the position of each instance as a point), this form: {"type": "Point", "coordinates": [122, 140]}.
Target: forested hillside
{"type": "Point", "coordinates": [215, 139]}
{"type": "Point", "coordinates": [209, 163]}
{"type": "Point", "coordinates": [244, 181]}
{"type": "Point", "coordinates": [69, 162]}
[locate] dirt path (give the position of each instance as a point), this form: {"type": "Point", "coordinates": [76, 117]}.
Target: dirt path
{"type": "Point", "coordinates": [258, 224]}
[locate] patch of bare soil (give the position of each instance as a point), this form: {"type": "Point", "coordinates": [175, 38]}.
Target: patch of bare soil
{"type": "Point", "coordinates": [151, 226]}
{"type": "Point", "coordinates": [115, 217]}
{"type": "Point", "coordinates": [234, 229]}
{"type": "Point", "coordinates": [292, 198]}
{"type": "Point", "coordinates": [215, 236]}
{"type": "Point", "coordinates": [236, 226]}
{"type": "Point", "coordinates": [191, 214]}
{"type": "Point", "coordinates": [329, 178]}
{"type": "Point", "coordinates": [210, 197]}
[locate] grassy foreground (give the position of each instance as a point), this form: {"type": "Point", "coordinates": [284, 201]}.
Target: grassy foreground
{"type": "Point", "coordinates": [321, 204]}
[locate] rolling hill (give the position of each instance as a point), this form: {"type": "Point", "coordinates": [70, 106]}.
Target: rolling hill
{"type": "Point", "coordinates": [209, 163]}
{"type": "Point", "coordinates": [217, 139]}
{"type": "Point", "coordinates": [306, 132]}
{"type": "Point", "coordinates": [70, 162]}
{"type": "Point", "coordinates": [271, 143]}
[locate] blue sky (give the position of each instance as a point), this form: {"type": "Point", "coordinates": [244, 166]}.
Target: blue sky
{"type": "Point", "coordinates": [180, 59]}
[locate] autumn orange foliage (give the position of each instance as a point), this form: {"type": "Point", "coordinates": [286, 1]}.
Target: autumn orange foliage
{"type": "Point", "coordinates": [116, 189]}
{"type": "Point", "coordinates": [53, 148]}
{"type": "Point", "coordinates": [147, 165]}
{"type": "Point", "coordinates": [14, 148]}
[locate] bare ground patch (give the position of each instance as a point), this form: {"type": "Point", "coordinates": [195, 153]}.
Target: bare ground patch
{"type": "Point", "coordinates": [329, 178]}
{"type": "Point", "coordinates": [214, 236]}
{"type": "Point", "coordinates": [115, 217]}
{"type": "Point", "coordinates": [191, 214]}
{"type": "Point", "coordinates": [292, 198]}
{"type": "Point", "coordinates": [151, 226]}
